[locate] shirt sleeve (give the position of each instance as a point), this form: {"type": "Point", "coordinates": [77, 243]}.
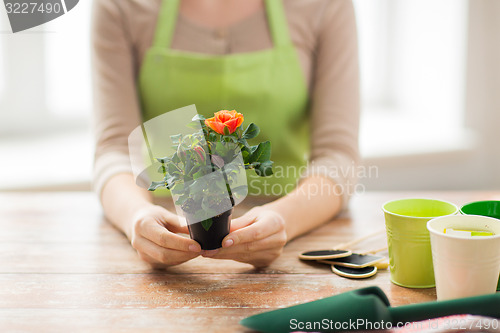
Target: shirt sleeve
{"type": "Point", "coordinates": [116, 107]}
{"type": "Point", "coordinates": [335, 104]}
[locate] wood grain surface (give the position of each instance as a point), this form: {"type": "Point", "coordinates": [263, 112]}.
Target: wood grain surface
{"type": "Point", "coordinates": [63, 267]}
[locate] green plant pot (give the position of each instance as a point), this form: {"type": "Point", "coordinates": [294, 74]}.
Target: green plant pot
{"type": "Point", "coordinates": [408, 239]}
{"type": "Point", "coordinates": [210, 239]}
{"type": "Point", "coordinates": [489, 208]}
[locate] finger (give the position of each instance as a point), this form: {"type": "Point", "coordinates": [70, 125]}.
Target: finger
{"type": "Point", "coordinates": [258, 230]}
{"type": "Point", "coordinates": [242, 221]}
{"type": "Point", "coordinates": [209, 253]}
{"type": "Point", "coordinates": [166, 239]}
{"type": "Point", "coordinates": [172, 222]}
{"type": "Point", "coordinates": [158, 254]}
{"type": "Point", "coordinates": [180, 229]}
{"type": "Point", "coordinates": [155, 264]}
{"type": "Point", "coordinates": [275, 241]}
{"type": "Point", "coordinates": [264, 260]}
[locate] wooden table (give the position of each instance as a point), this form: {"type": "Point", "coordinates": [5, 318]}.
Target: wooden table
{"type": "Point", "coordinates": [64, 268]}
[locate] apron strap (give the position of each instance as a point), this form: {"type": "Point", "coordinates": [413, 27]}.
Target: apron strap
{"type": "Point", "coordinates": [166, 23]}
{"type": "Point", "coordinates": [277, 22]}
{"type": "Point", "coordinates": [168, 17]}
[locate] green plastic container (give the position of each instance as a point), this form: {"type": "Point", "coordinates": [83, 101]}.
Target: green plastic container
{"type": "Point", "coordinates": [489, 208]}
{"type": "Point", "coordinates": [408, 240]}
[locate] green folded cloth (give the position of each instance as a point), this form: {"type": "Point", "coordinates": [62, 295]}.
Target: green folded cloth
{"type": "Point", "coordinates": [364, 309]}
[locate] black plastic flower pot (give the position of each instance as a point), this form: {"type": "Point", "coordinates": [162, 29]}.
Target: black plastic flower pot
{"type": "Point", "coordinates": [210, 233]}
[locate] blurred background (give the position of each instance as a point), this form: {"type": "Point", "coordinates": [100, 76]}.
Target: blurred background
{"type": "Point", "coordinates": [430, 74]}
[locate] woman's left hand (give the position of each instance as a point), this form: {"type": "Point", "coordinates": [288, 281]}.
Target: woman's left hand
{"type": "Point", "coordinates": [256, 238]}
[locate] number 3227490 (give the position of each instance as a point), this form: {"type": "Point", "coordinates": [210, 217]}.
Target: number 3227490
{"type": "Point", "coordinates": [32, 8]}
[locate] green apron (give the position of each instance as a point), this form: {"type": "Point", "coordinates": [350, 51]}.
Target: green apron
{"type": "Point", "coordinates": [267, 87]}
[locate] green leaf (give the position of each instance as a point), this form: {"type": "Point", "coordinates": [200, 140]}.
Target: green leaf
{"type": "Point", "coordinates": [194, 125]}
{"type": "Point", "coordinates": [230, 138]}
{"type": "Point", "coordinates": [197, 186]}
{"type": "Point", "coordinates": [232, 168]}
{"type": "Point", "coordinates": [164, 159]}
{"type": "Point", "coordinates": [182, 200]}
{"type": "Point", "coordinates": [245, 154]}
{"type": "Point", "coordinates": [176, 138]}
{"type": "Point", "coordinates": [198, 117]}
{"type": "Point", "coordinates": [220, 184]}
{"type": "Point", "coordinates": [200, 173]}
{"type": "Point", "coordinates": [162, 169]}
{"type": "Point", "coordinates": [240, 190]}
{"type": "Point", "coordinates": [243, 142]}
{"type": "Point", "coordinates": [262, 153]}
{"type": "Point", "coordinates": [212, 137]}
{"type": "Point", "coordinates": [253, 165]}
{"type": "Point", "coordinates": [226, 130]}
{"type": "Point", "coordinates": [251, 132]}
{"type": "Point", "coordinates": [171, 168]}
{"type": "Point", "coordinates": [156, 185]}
{"type": "Point", "coordinates": [206, 224]}
{"type": "Point", "coordinates": [188, 166]}
{"type": "Point", "coordinates": [178, 188]}
{"type": "Point", "coordinates": [201, 214]}
{"type": "Point", "coordinates": [264, 169]}
{"type": "Point", "coordinates": [169, 179]}
{"type": "Point", "coordinates": [220, 149]}
{"type": "Point", "coordinates": [176, 159]}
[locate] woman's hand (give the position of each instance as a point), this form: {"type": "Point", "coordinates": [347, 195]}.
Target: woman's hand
{"type": "Point", "coordinates": [256, 238]}
{"type": "Point", "coordinates": [153, 234]}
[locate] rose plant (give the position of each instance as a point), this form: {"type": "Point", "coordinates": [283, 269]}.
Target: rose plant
{"type": "Point", "coordinates": [207, 167]}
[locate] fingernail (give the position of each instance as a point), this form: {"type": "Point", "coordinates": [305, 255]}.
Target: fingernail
{"type": "Point", "coordinates": [228, 242]}
{"type": "Point", "coordinates": [194, 248]}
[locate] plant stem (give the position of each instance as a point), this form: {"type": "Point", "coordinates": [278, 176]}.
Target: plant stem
{"type": "Point", "coordinates": [228, 187]}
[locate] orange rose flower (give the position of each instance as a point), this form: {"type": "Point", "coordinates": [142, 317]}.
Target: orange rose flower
{"type": "Point", "coordinates": [224, 118]}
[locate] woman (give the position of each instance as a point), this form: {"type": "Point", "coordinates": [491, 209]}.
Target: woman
{"type": "Point", "coordinates": [287, 66]}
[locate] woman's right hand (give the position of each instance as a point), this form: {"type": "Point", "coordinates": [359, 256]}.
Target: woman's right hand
{"type": "Point", "coordinates": [154, 234]}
